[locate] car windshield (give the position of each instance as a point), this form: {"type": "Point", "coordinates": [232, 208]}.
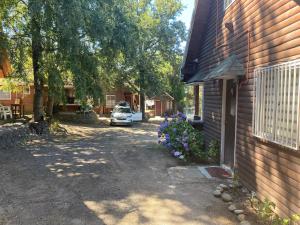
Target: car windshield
{"type": "Point", "coordinates": [122, 110]}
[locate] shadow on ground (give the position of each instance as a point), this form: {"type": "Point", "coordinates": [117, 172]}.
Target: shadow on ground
{"type": "Point", "coordinates": [102, 175]}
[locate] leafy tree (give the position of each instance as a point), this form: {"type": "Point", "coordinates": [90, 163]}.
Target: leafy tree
{"type": "Point", "coordinates": [61, 37]}
{"type": "Point", "coordinates": [153, 45]}
{"type": "Point", "coordinates": [135, 41]}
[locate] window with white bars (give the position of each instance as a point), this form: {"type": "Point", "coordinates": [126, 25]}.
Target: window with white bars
{"type": "Point", "coordinates": [110, 101]}
{"type": "Point", "coordinates": [276, 107]}
{"type": "Point", "coordinates": [5, 95]}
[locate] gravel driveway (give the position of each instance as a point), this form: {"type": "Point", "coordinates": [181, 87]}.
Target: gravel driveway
{"type": "Point", "coordinates": [103, 175]}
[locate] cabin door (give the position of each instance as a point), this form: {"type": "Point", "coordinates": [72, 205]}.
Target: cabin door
{"type": "Point", "coordinates": [230, 120]}
{"type": "Point", "coordinates": [158, 108]}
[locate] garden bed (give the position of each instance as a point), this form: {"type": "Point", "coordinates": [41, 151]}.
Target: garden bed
{"type": "Point", "coordinates": [184, 141]}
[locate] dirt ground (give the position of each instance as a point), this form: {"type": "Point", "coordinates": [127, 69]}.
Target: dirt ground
{"type": "Point", "coordinates": [104, 175]}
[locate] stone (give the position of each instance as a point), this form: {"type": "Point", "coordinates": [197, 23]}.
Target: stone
{"type": "Point", "coordinates": [220, 189]}
{"type": "Point", "coordinates": [238, 211]}
{"type": "Point", "coordinates": [241, 217]}
{"type": "Point", "coordinates": [226, 197]}
{"type": "Point", "coordinates": [223, 186]}
{"type": "Point", "coordinates": [232, 208]}
{"type": "Point", "coordinates": [217, 193]}
{"type": "Point", "coordinates": [245, 222]}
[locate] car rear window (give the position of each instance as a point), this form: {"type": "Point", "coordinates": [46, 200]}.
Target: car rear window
{"type": "Point", "coordinates": [122, 110]}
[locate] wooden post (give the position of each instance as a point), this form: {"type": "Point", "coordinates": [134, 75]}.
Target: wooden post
{"type": "Point", "coordinates": [196, 100]}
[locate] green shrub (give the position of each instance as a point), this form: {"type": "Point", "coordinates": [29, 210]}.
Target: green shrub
{"type": "Point", "coordinates": [214, 150]}
{"type": "Point", "coordinates": [181, 138]}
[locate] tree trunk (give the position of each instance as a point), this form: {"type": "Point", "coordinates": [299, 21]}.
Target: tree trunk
{"type": "Point", "coordinates": [50, 104]}
{"type": "Point", "coordinates": [142, 94]}
{"type": "Point", "coordinates": [38, 112]}
{"type": "Point", "coordinates": [143, 106]}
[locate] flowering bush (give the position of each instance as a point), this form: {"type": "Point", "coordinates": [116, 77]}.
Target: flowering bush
{"type": "Point", "coordinates": [181, 138]}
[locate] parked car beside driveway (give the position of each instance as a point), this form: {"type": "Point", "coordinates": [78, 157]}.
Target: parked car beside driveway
{"type": "Point", "coordinates": [121, 115]}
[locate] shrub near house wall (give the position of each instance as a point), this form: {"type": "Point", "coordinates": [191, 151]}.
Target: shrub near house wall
{"type": "Point", "coordinates": [183, 141]}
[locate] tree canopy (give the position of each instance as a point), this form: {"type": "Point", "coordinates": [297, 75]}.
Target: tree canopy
{"type": "Point", "coordinates": [91, 43]}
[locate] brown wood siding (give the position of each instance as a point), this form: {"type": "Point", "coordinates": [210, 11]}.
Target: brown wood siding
{"type": "Point", "coordinates": [212, 111]}
{"type": "Point", "coordinates": [269, 169]}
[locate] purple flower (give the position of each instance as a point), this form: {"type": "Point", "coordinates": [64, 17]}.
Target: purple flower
{"type": "Point", "coordinates": [186, 146]}
{"type": "Point", "coordinates": [167, 137]}
{"type": "Point", "coordinates": [163, 125]}
{"type": "Point", "coordinates": [174, 129]}
{"type": "Point", "coordinates": [177, 154]}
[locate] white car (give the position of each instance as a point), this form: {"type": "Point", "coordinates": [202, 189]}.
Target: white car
{"type": "Point", "coordinates": [121, 115]}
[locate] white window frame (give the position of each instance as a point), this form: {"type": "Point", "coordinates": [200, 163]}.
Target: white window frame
{"type": "Point", "coordinates": [276, 105]}
{"type": "Point", "coordinates": [5, 92]}
{"type": "Point", "coordinates": [108, 103]}
{"type": "Point", "coordinates": [228, 3]}
{"type": "Point", "coordinates": [201, 105]}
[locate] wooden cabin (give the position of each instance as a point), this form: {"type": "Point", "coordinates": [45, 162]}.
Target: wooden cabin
{"type": "Point", "coordinates": [114, 96]}
{"type": "Point", "coordinates": [246, 56]}
{"type": "Point", "coordinates": [160, 105]}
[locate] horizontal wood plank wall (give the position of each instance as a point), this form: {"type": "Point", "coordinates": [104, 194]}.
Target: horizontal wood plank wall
{"type": "Point", "coordinates": [212, 111]}
{"type": "Point", "coordinates": [274, 26]}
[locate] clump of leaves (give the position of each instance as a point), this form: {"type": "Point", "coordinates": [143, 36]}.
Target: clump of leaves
{"type": "Point", "coordinates": [56, 128]}
{"type": "Point", "coordinates": [181, 138]}
{"type": "Point", "coordinates": [235, 181]}
{"type": "Point", "coordinates": [266, 213]}
{"type": "Point", "coordinates": [265, 210]}
{"type": "Point", "coordinates": [214, 150]}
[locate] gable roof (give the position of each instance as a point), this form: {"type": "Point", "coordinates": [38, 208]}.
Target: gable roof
{"type": "Point", "coordinates": [196, 34]}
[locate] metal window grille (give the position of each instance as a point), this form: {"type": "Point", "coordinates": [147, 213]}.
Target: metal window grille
{"type": "Point", "coordinates": [276, 107]}
{"type": "Point", "coordinates": [110, 101]}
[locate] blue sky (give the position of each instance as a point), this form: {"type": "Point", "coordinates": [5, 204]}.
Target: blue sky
{"type": "Point", "coordinates": [188, 12]}
{"type": "Point", "coordinates": [186, 15]}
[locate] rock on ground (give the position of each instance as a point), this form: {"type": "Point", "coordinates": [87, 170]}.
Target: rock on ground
{"type": "Point", "coordinates": [226, 197]}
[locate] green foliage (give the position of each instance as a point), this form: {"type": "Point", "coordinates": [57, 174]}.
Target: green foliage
{"type": "Point", "coordinates": [180, 136]}
{"type": "Point", "coordinates": [74, 36]}
{"type": "Point", "coordinates": [152, 52]}
{"type": "Point", "coordinates": [214, 150]}
{"type": "Point", "coordinates": [265, 210]}
{"type": "Point", "coordinates": [93, 44]}
{"type": "Point", "coordinates": [266, 213]}
{"type": "Point", "coordinates": [235, 181]}
{"type": "Point", "coordinates": [56, 128]}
